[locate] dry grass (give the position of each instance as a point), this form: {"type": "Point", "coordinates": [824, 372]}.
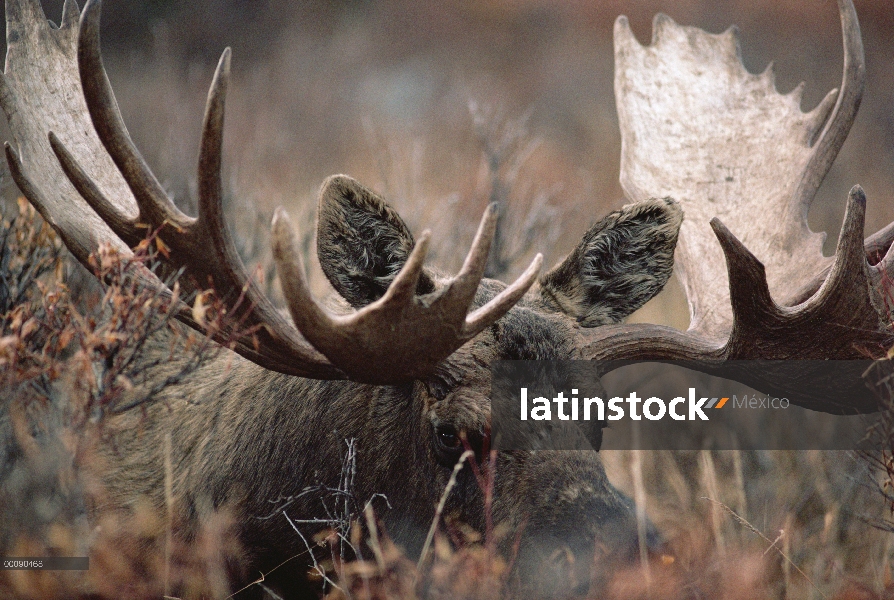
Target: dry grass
{"type": "Point", "coordinates": [383, 92]}
{"type": "Point", "coordinates": [802, 541]}
{"type": "Point", "coordinates": [66, 363]}
{"type": "Point", "coordinates": [739, 524]}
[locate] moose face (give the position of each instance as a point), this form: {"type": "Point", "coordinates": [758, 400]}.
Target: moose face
{"type": "Point", "coordinates": [560, 502]}
{"type": "Point", "coordinates": [570, 522]}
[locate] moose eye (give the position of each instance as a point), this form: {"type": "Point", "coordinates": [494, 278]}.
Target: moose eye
{"type": "Point", "coordinates": [448, 437]}
{"type": "Point", "coordinates": [448, 445]}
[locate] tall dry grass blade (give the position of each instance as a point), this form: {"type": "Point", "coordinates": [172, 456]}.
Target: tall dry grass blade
{"type": "Point", "coordinates": [639, 498]}
{"type": "Point", "coordinates": [441, 503]}
{"type": "Point", "coordinates": [374, 544]}
{"type": "Point", "coordinates": [739, 472]}
{"type": "Point", "coordinates": [787, 551]}
{"type": "Point", "coordinates": [169, 512]}
{"type": "Point", "coordinates": [709, 480]}
{"type": "Point", "coordinates": [674, 477]}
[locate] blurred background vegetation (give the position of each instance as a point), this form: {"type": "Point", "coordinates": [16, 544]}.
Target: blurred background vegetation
{"type": "Point", "coordinates": [443, 106]}
{"type": "Point", "coordinates": [382, 91]}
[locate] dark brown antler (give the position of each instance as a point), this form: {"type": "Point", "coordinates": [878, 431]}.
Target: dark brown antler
{"type": "Point", "coordinates": [745, 163]}
{"type": "Point", "coordinates": [385, 325]}
{"type": "Point", "coordinates": [395, 339]}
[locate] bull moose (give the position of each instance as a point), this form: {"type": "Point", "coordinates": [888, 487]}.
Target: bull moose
{"type": "Point", "coordinates": [401, 363]}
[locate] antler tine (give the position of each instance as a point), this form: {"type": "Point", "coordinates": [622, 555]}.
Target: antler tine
{"type": "Point", "coordinates": [488, 314]}
{"type": "Point", "coordinates": [847, 279]}
{"type": "Point", "coordinates": [309, 317]}
{"type": "Point", "coordinates": [155, 205]}
{"type": "Point", "coordinates": [123, 227]}
{"type": "Point", "coordinates": [461, 291]}
{"type": "Point", "coordinates": [70, 14]}
{"type": "Point", "coordinates": [415, 333]}
{"type": "Point", "coordinates": [210, 186]}
{"type": "Point", "coordinates": [878, 252]}
{"type": "Point", "coordinates": [749, 293]}
{"type": "Point", "coordinates": [210, 225]}
{"type": "Point", "coordinates": [77, 245]}
{"type": "Point", "coordinates": [853, 82]}
{"type": "Point", "coordinates": [403, 288]}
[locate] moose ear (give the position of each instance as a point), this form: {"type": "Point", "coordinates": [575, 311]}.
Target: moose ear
{"type": "Point", "coordinates": [362, 243]}
{"type": "Point", "coordinates": [621, 263]}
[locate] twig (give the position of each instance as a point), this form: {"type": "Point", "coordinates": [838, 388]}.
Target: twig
{"type": "Point", "coordinates": [272, 594]}
{"type": "Point", "coordinates": [441, 503]}
{"type": "Point", "coordinates": [639, 494]}
{"type": "Point", "coordinates": [374, 537]}
{"type": "Point", "coordinates": [169, 508]}
{"type": "Point", "coordinates": [316, 566]}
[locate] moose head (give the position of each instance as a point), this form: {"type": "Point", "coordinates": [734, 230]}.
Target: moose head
{"type": "Point", "coordinates": [401, 364]}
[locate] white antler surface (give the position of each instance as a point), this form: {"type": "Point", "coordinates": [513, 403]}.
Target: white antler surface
{"type": "Point", "coordinates": [698, 127]}
{"type": "Point", "coordinates": [41, 78]}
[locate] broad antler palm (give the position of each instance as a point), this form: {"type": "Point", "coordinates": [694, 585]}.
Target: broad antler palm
{"type": "Point", "coordinates": [745, 162]}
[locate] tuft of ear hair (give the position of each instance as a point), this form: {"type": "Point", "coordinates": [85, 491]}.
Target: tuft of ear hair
{"type": "Point", "coordinates": [619, 265]}
{"type": "Point", "coordinates": [362, 242]}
